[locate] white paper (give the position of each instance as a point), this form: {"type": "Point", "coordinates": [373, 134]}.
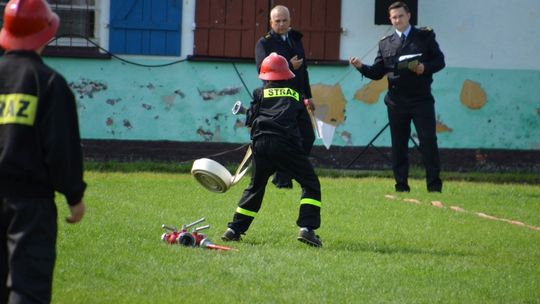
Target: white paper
{"type": "Point", "coordinates": [405, 57]}
{"type": "Point", "coordinates": [325, 132]}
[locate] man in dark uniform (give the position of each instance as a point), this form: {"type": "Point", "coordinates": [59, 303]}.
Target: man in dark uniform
{"type": "Point", "coordinates": [40, 153]}
{"type": "Point", "coordinates": [409, 95]}
{"type": "Point", "coordinates": [273, 118]}
{"type": "Point", "coordinates": [288, 43]}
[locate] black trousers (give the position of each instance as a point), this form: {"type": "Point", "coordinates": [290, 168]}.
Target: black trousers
{"type": "Point", "coordinates": [271, 153]}
{"type": "Point", "coordinates": [423, 117]}
{"type": "Point", "coordinates": [28, 233]}
{"type": "Point", "coordinates": [283, 179]}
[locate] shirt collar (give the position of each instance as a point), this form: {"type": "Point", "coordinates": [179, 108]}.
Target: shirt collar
{"type": "Point", "coordinates": [406, 32]}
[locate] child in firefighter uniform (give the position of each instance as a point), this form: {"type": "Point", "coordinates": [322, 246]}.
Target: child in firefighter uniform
{"type": "Point", "coordinates": [40, 153]}
{"type": "Point", "coordinates": [276, 143]}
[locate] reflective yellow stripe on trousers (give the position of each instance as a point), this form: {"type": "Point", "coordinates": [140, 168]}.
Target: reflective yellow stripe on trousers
{"type": "Point", "coordinates": [310, 201]}
{"type": "Point", "coordinates": [246, 212]}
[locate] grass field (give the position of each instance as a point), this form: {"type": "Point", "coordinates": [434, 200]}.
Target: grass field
{"type": "Point", "coordinates": [379, 246]}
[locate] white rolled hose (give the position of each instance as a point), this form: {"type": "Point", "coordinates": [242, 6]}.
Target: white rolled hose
{"type": "Point", "coordinates": [216, 178]}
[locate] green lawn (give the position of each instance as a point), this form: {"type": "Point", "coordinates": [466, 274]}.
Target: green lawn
{"type": "Point", "coordinates": [377, 249]}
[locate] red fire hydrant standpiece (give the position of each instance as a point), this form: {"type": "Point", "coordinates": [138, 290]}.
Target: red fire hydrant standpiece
{"type": "Point", "coordinates": [190, 239]}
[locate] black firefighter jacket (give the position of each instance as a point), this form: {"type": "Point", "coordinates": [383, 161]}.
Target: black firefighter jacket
{"type": "Point", "coordinates": [40, 146]}
{"type": "Point", "coordinates": [276, 110]}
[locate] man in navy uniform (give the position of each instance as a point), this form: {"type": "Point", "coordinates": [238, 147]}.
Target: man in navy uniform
{"type": "Point", "coordinates": [287, 42]}
{"type": "Point", "coordinates": [409, 95]}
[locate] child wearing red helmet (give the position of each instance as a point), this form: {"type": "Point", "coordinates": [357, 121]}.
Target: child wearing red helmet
{"type": "Point", "coordinates": [40, 153]}
{"type": "Point", "coordinates": [276, 144]}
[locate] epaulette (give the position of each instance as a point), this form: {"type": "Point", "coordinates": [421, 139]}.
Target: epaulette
{"type": "Point", "coordinates": [426, 28]}
{"type": "Point", "coordinates": [384, 37]}
{"type": "Point", "coordinates": [295, 34]}
{"type": "Point", "coordinates": [268, 36]}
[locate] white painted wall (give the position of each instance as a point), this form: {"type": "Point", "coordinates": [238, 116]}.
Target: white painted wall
{"type": "Point", "coordinates": [474, 34]}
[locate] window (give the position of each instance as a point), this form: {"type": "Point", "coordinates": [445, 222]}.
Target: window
{"type": "Point", "coordinates": [145, 27]}
{"type": "Point", "coordinates": [230, 28]}
{"type": "Point", "coordinates": [77, 29]}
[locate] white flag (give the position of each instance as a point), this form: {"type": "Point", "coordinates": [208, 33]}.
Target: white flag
{"type": "Point", "coordinates": [325, 132]}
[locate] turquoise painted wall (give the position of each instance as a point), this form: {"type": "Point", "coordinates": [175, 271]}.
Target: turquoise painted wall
{"type": "Point", "coordinates": [191, 101]}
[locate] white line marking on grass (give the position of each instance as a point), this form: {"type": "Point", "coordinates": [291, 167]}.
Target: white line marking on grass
{"type": "Point", "coordinates": [439, 204]}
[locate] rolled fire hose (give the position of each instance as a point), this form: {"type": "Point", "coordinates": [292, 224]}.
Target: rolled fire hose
{"type": "Point", "coordinates": [215, 177]}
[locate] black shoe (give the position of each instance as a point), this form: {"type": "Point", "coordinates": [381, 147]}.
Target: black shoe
{"type": "Point", "coordinates": [231, 236]}
{"type": "Point", "coordinates": [402, 187]}
{"type": "Point", "coordinates": [435, 185]}
{"type": "Point", "coordinates": [308, 236]}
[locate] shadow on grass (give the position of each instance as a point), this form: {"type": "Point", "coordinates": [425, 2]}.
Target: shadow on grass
{"type": "Point", "coordinates": [390, 249]}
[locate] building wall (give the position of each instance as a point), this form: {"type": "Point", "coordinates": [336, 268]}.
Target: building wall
{"type": "Point", "coordinates": [488, 96]}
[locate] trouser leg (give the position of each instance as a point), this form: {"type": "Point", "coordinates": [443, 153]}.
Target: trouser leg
{"type": "Point", "coordinates": [252, 197]}
{"type": "Point", "coordinates": [271, 153]}
{"type": "Point", "coordinates": [400, 131]}
{"type": "Point", "coordinates": [4, 220]}
{"type": "Point", "coordinates": [425, 124]}
{"type": "Point", "coordinates": [295, 162]}
{"type": "Point", "coordinates": [31, 249]}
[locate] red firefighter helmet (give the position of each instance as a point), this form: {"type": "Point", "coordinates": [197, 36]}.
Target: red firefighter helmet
{"type": "Point", "coordinates": [28, 25]}
{"type": "Point", "coordinates": [275, 67]}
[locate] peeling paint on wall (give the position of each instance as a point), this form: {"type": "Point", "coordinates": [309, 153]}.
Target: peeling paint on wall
{"type": "Point", "coordinates": [205, 134]}
{"type": "Point", "coordinates": [170, 105]}
{"type": "Point", "coordinates": [127, 124]}
{"type": "Point", "coordinates": [180, 93]}
{"type": "Point", "coordinates": [347, 137]}
{"type": "Point", "coordinates": [472, 95]}
{"type": "Point", "coordinates": [86, 87]}
{"type": "Point", "coordinates": [239, 124]}
{"type": "Point", "coordinates": [168, 100]}
{"type": "Point", "coordinates": [329, 103]}
{"type": "Point", "coordinates": [147, 106]}
{"type": "Point", "coordinates": [112, 101]}
{"type": "Point", "coordinates": [149, 86]}
{"type": "Point", "coordinates": [440, 127]}
{"type": "Point", "coordinates": [371, 92]}
{"type": "Point", "coordinates": [209, 95]}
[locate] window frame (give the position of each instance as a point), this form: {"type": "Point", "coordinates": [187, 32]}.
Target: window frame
{"type": "Point", "coordinates": [78, 47]}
